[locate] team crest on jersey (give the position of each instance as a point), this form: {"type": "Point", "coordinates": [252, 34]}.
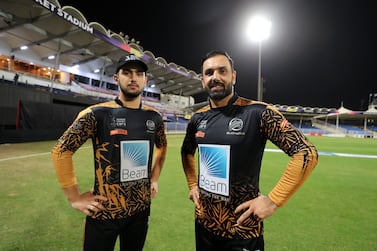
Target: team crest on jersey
{"type": "Point", "coordinates": [151, 126]}
{"type": "Point", "coordinates": [235, 127]}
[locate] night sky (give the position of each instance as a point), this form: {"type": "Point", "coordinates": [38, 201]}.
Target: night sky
{"type": "Point", "coordinates": [319, 54]}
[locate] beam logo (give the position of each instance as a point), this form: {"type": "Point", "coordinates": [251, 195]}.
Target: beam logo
{"type": "Point", "coordinates": [214, 168]}
{"type": "Point", "coordinates": [134, 160]}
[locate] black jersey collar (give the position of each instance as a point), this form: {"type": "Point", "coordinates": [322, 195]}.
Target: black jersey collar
{"type": "Point", "coordinates": [233, 99]}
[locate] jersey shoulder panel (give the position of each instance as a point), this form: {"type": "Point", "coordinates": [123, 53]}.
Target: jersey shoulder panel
{"type": "Point", "coordinates": [241, 101]}
{"type": "Point", "coordinates": [273, 108]}
{"type": "Point", "coordinates": [204, 109]}
{"type": "Point", "coordinates": [149, 108]}
{"type": "Point", "coordinates": [99, 106]}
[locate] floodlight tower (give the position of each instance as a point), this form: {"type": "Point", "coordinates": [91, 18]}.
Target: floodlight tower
{"type": "Point", "coordinates": [259, 30]}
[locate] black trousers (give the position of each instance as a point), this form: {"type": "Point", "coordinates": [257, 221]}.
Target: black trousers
{"type": "Point", "coordinates": [101, 235]}
{"type": "Point", "coordinates": [206, 241]}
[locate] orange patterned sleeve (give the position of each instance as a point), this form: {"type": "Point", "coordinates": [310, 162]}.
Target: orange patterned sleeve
{"type": "Point", "coordinates": [303, 154]}
{"type": "Point", "coordinates": [297, 171]}
{"type": "Point", "coordinates": [63, 164]}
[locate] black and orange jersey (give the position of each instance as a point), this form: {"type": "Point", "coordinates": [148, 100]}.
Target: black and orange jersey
{"type": "Point", "coordinates": [123, 142]}
{"type": "Point", "coordinates": [230, 143]}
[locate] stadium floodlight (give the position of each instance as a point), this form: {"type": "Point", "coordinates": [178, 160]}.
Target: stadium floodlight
{"type": "Point", "coordinates": [259, 30]}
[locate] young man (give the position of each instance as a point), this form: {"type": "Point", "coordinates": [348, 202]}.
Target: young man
{"type": "Point", "coordinates": [125, 135]}
{"type": "Point", "coordinates": [230, 134]}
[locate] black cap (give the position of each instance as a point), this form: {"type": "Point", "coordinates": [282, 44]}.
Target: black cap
{"type": "Point", "coordinates": [131, 58]}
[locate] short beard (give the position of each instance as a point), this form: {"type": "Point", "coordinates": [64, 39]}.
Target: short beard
{"type": "Point", "coordinates": [218, 95]}
{"type": "Point", "coordinates": [130, 95]}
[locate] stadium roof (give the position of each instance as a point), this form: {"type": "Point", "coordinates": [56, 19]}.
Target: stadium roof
{"type": "Point", "coordinates": [47, 28]}
{"type": "Point", "coordinates": [347, 114]}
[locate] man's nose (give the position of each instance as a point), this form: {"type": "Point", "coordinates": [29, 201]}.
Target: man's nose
{"type": "Point", "coordinates": [216, 75]}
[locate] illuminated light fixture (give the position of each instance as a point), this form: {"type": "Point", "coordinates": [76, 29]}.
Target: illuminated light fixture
{"type": "Point", "coordinates": [96, 70]}
{"type": "Point", "coordinates": [51, 57]}
{"type": "Point", "coordinates": [24, 47]}
{"type": "Point", "coordinates": [259, 29]}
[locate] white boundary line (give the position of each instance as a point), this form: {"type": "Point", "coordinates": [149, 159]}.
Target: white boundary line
{"type": "Point", "coordinates": [30, 155]}
{"type": "Point", "coordinates": [25, 156]}
{"type": "Point", "coordinates": [350, 155]}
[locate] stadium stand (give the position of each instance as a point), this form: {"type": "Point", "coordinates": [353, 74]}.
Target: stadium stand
{"type": "Point", "coordinates": [40, 96]}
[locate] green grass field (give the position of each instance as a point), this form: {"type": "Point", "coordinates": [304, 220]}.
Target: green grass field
{"type": "Point", "coordinates": [335, 209]}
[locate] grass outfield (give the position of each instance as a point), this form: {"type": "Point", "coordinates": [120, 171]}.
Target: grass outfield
{"type": "Point", "coordinates": [335, 209]}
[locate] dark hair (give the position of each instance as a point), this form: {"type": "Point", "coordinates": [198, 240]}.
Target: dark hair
{"type": "Point", "coordinates": [217, 52]}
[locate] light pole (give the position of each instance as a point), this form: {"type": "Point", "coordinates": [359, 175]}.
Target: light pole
{"type": "Point", "coordinates": [259, 30]}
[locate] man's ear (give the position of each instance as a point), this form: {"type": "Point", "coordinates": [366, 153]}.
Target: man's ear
{"type": "Point", "coordinates": [201, 79]}
{"type": "Point", "coordinates": [203, 85]}
{"type": "Point", "coordinates": [234, 77]}
{"type": "Point", "coordinates": [116, 77]}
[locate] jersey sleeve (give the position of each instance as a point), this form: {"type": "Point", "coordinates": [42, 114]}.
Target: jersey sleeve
{"type": "Point", "coordinates": [293, 142]}
{"type": "Point", "coordinates": [188, 149]}
{"type": "Point", "coordinates": [161, 141]}
{"type": "Point", "coordinates": [71, 140]}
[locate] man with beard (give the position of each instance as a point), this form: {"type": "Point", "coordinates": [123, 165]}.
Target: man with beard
{"type": "Point", "coordinates": [126, 135]}
{"type": "Point", "coordinates": [230, 134]}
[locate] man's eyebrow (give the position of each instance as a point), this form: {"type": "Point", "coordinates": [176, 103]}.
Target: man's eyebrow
{"type": "Point", "coordinates": [216, 68]}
